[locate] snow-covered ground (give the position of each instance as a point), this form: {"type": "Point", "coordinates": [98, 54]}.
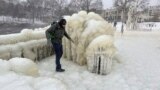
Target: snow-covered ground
{"type": "Point", "coordinates": [136, 67]}
{"type": "Point", "coordinates": [9, 19]}
{"type": "Point", "coordinates": [144, 26]}
{"type": "Point", "coordinates": [149, 26]}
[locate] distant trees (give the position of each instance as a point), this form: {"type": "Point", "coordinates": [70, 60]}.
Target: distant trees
{"type": "Point", "coordinates": [135, 12]}
{"type": "Point", "coordinates": [130, 9]}
{"type": "Point", "coordinates": [43, 9]}
{"type": "Point", "coordinates": [87, 5]}
{"type": "Point", "coordinates": [60, 7]}
{"type": "Point", "coordinates": [123, 7]}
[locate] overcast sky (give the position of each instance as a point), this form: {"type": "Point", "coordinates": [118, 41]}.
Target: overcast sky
{"type": "Point", "coordinates": [109, 3]}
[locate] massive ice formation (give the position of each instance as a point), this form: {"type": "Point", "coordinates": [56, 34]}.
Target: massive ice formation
{"type": "Point", "coordinates": [84, 29]}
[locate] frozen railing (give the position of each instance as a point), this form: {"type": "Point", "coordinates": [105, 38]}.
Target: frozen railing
{"type": "Point", "coordinates": [99, 63]}
{"type": "Point", "coordinates": [25, 35]}
{"type": "Point", "coordinates": [28, 44]}
{"type": "Point", "coordinates": [34, 50]}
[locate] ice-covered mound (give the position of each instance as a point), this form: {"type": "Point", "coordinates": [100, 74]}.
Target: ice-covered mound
{"type": "Point", "coordinates": [104, 43]}
{"type": "Point", "coordinates": [19, 74]}
{"type": "Point", "coordinates": [42, 83]}
{"type": "Point", "coordinates": [24, 66]}
{"type": "Point", "coordinates": [99, 54]}
{"type": "Point", "coordinates": [22, 82]}
{"type": "Point", "coordinates": [4, 66]}
{"type": "Point", "coordinates": [19, 65]}
{"type": "Point", "coordinates": [83, 28]}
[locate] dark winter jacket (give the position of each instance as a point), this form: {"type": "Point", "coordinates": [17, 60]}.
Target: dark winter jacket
{"type": "Point", "coordinates": [57, 32]}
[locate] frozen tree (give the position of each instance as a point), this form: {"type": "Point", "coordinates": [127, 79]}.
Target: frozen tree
{"type": "Point", "coordinates": [123, 6]}
{"type": "Point", "coordinates": [130, 8]}
{"type": "Point", "coordinates": [135, 8]}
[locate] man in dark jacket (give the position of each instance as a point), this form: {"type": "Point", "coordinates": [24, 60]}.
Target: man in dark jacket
{"type": "Point", "coordinates": [115, 23]}
{"type": "Point", "coordinates": [57, 31]}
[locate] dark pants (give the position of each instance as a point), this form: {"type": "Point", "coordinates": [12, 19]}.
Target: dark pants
{"type": "Point", "coordinates": [58, 51]}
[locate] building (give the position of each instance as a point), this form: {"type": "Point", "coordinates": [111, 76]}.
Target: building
{"type": "Point", "coordinates": [112, 14]}
{"type": "Point", "coordinates": [152, 13]}
{"type": "Point", "coordinates": [153, 10]}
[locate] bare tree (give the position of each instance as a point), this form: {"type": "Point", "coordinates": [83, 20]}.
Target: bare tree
{"type": "Point", "coordinates": [31, 4]}
{"type": "Point", "coordinates": [123, 6]}
{"type": "Point", "coordinates": [75, 5]}
{"type": "Point", "coordinates": [87, 5]}
{"type": "Point", "coordinates": [35, 8]}
{"type": "Point", "coordinates": [57, 7]}
{"type": "Point", "coordinates": [60, 6]}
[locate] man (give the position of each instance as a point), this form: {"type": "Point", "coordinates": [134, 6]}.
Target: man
{"type": "Point", "coordinates": [115, 23]}
{"type": "Point", "coordinates": [122, 29]}
{"type": "Point", "coordinates": [56, 32]}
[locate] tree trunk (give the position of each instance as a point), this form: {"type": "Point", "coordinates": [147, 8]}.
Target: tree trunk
{"type": "Point", "coordinates": [87, 6]}
{"type": "Point", "coordinates": [3, 19]}
{"type": "Point", "coordinates": [123, 16]}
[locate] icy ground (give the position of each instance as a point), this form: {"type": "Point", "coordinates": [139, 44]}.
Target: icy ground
{"type": "Point", "coordinates": [136, 67]}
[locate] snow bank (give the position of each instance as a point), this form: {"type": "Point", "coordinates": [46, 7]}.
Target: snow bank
{"type": "Point", "coordinates": [22, 82]}
{"type": "Point", "coordinates": [4, 66]}
{"type": "Point", "coordinates": [21, 74]}
{"type": "Point", "coordinates": [49, 84]}
{"type": "Point", "coordinates": [18, 65]}
{"type": "Point", "coordinates": [24, 66]}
